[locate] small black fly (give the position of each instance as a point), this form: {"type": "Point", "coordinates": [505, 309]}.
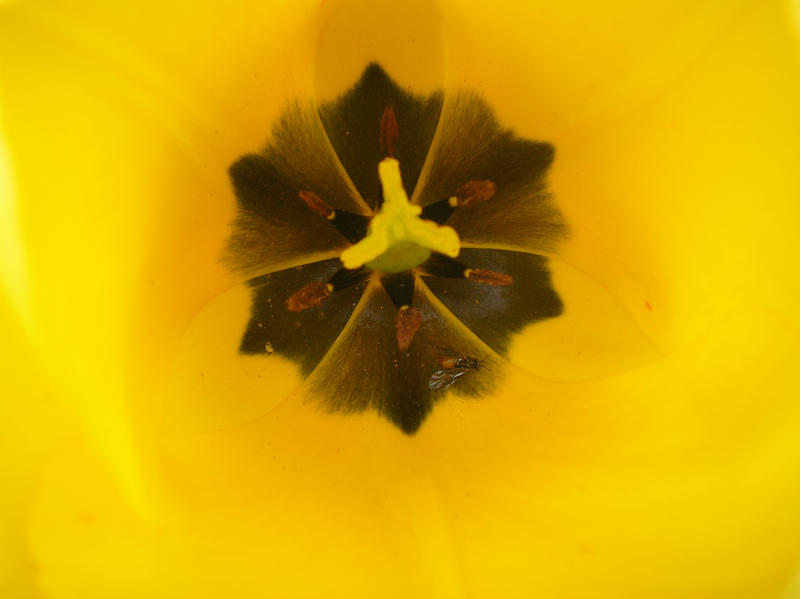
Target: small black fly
{"type": "Point", "coordinates": [453, 366]}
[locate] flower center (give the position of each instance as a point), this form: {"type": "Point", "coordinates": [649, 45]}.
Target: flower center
{"type": "Point", "coordinates": [398, 239]}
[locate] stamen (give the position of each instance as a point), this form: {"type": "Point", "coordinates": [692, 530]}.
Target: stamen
{"type": "Point", "coordinates": [443, 266]}
{"type": "Point", "coordinates": [469, 194]}
{"type": "Point", "coordinates": [474, 192]}
{"type": "Point", "coordinates": [400, 287]}
{"type": "Point", "coordinates": [352, 226]}
{"type": "Point", "coordinates": [406, 324]}
{"type": "Point", "coordinates": [389, 132]}
{"type": "Point", "coordinates": [487, 277]}
{"type": "Point", "coordinates": [344, 278]}
{"type": "Point", "coordinates": [310, 296]}
{"type": "Point", "coordinates": [317, 204]}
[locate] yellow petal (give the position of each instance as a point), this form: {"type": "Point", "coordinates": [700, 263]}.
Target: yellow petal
{"type": "Point", "coordinates": [676, 135]}
{"type": "Point", "coordinates": [31, 427]}
{"type": "Point", "coordinates": [112, 118]}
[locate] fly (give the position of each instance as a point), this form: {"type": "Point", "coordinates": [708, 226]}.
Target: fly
{"type": "Point", "coordinates": [453, 366]}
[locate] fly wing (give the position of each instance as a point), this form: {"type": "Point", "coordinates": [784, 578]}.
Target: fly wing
{"type": "Point", "coordinates": [442, 379]}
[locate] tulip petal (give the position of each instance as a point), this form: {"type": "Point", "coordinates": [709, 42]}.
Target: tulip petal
{"type": "Point", "coordinates": [473, 146]}
{"type": "Point", "coordinates": [268, 230]}
{"type": "Point", "coordinates": [32, 426]}
{"type": "Point", "coordinates": [353, 124]}
{"type": "Point", "coordinates": [211, 385]}
{"type": "Point", "coordinates": [675, 479]}
{"type": "Point", "coordinates": [580, 482]}
{"type": "Point", "coordinates": [274, 227]}
{"type": "Point", "coordinates": [303, 336]}
{"type": "Point", "coordinates": [495, 312]}
{"type": "Point", "coordinates": [365, 369]}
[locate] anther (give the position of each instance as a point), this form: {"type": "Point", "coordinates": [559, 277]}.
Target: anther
{"type": "Point", "coordinates": [487, 277]}
{"type": "Point", "coordinates": [319, 206]}
{"type": "Point", "coordinates": [351, 225]}
{"type": "Point", "coordinates": [468, 194]}
{"type": "Point", "coordinates": [309, 296]}
{"type": "Point", "coordinates": [389, 132]}
{"type": "Point", "coordinates": [406, 324]}
{"type": "Point", "coordinates": [474, 192]}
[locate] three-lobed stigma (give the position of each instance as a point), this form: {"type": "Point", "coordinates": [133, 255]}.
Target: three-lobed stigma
{"type": "Point", "coordinates": [397, 238]}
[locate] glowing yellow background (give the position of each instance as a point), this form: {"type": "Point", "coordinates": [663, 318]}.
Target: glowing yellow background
{"type": "Point", "coordinates": [633, 452]}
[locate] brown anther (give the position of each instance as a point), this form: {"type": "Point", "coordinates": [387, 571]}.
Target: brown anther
{"type": "Point", "coordinates": [389, 131]}
{"type": "Point", "coordinates": [406, 324]}
{"type": "Point", "coordinates": [310, 296]}
{"type": "Point", "coordinates": [317, 204]}
{"type": "Point", "coordinates": [487, 277]}
{"type": "Point", "coordinates": [475, 192]}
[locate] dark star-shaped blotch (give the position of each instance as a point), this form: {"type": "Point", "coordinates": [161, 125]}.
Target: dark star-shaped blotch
{"type": "Point", "coordinates": [372, 336]}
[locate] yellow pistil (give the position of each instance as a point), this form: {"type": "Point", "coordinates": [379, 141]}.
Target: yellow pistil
{"type": "Point", "coordinates": [398, 239]}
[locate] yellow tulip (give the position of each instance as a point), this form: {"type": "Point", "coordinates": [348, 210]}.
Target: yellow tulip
{"type": "Point", "coordinates": [644, 443]}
